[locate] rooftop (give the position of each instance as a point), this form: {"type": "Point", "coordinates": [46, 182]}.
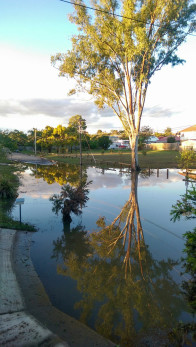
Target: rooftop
{"type": "Point", "coordinates": [192, 128]}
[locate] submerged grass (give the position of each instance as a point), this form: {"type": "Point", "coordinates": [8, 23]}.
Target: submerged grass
{"type": "Point", "coordinates": [150, 159]}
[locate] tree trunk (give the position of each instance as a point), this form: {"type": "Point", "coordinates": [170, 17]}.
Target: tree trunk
{"type": "Point", "coordinates": [134, 153]}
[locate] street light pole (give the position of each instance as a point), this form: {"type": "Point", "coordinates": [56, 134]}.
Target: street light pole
{"type": "Point", "coordinates": [35, 140]}
{"type": "Point", "coordinates": [80, 130]}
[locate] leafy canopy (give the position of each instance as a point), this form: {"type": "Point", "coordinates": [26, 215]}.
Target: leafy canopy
{"type": "Point", "coordinates": [114, 57]}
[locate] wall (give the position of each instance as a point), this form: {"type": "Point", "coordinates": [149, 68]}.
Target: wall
{"type": "Point", "coordinates": [189, 144]}
{"type": "Point", "coordinates": [188, 135]}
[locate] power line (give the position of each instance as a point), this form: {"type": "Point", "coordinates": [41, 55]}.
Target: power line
{"type": "Point", "coordinates": [113, 14]}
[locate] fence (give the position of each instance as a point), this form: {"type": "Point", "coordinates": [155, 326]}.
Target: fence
{"type": "Point", "coordinates": [163, 146]}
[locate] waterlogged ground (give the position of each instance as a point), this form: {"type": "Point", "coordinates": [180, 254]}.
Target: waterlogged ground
{"type": "Point", "coordinates": [116, 266]}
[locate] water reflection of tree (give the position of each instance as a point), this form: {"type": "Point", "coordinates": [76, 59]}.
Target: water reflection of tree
{"type": "Point", "coordinates": [146, 297]}
{"type": "Point", "coordinates": [70, 200]}
{"type": "Point", "coordinates": [74, 243]}
{"type": "Point", "coordinates": [60, 173]}
{"type": "Point", "coordinates": [186, 207]}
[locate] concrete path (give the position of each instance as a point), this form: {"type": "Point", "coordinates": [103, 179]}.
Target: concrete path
{"type": "Point", "coordinates": [17, 327]}
{"type": "Point", "coordinates": [27, 317]}
{"type": "Point", "coordinates": [31, 159]}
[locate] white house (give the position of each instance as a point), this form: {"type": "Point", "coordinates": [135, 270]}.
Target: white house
{"type": "Point", "coordinates": [188, 137]}
{"type": "Point", "coordinates": [118, 143]}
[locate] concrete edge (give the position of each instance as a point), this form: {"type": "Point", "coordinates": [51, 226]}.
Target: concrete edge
{"type": "Point", "coordinates": [38, 304]}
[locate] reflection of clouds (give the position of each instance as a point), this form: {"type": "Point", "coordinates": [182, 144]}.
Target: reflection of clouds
{"type": "Point", "coordinates": [162, 180]}
{"type": "Point", "coordinates": [111, 179]}
{"type": "Point", "coordinates": [36, 187]}
{"type": "Point", "coordinates": [39, 196]}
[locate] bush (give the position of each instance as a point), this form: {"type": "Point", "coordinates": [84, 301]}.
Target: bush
{"type": "Point", "coordinates": [171, 139]}
{"type": "Point", "coordinates": [7, 189]}
{"type": "Point", "coordinates": [187, 159]}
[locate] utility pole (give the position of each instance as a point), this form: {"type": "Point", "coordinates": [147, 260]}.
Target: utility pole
{"type": "Point", "coordinates": [35, 140]}
{"type": "Point", "coordinates": [80, 131]}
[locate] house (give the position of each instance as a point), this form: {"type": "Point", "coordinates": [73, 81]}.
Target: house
{"type": "Point", "coordinates": [163, 139]}
{"type": "Point", "coordinates": [188, 137]}
{"type": "Point", "coordinates": [152, 139]}
{"type": "Point", "coordinates": [118, 143]}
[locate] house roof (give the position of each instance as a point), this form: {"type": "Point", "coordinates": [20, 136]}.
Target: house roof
{"type": "Point", "coordinates": [163, 139]}
{"type": "Point", "coordinates": [192, 128]}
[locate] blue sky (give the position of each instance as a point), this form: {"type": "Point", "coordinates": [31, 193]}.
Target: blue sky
{"type": "Point", "coordinates": [39, 25]}
{"type": "Point", "coordinates": [32, 94]}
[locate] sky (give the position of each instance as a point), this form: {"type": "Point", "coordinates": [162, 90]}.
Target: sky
{"type": "Point", "coordinates": [32, 95]}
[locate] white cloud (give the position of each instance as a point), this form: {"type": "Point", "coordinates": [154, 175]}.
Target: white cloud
{"type": "Point", "coordinates": [32, 94]}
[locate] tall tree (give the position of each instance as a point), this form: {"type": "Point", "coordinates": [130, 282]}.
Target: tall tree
{"type": "Point", "coordinates": [76, 122]}
{"type": "Point", "coordinates": [118, 50]}
{"type": "Point", "coordinates": [168, 132]}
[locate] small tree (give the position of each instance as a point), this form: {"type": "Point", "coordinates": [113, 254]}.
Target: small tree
{"type": "Point", "coordinates": [104, 142]}
{"type": "Point", "coordinates": [70, 200]}
{"type": "Point", "coordinates": [187, 159]}
{"type": "Point", "coordinates": [171, 139]}
{"type": "Point", "coordinates": [144, 135]}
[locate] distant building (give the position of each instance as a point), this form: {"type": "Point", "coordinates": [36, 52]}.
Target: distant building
{"type": "Point", "coordinates": [118, 143]}
{"type": "Point", "coordinates": [188, 137]}
{"type": "Point", "coordinates": [152, 139]}
{"type": "Point", "coordinates": [163, 139]}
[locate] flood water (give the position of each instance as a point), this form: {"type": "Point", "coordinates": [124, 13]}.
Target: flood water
{"type": "Point", "coordinates": [116, 266]}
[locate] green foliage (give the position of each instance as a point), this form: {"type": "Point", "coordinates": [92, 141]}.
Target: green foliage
{"type": "Point", "coordinates": [114, 58]}
{"type": "Point", "coordinates": [144, 135]}
{"type": "Point", "coordinates": [168, 132]}
{"type": "Point", "coordinates": [186, 206]}
{"type": "Point", "coordinates": [189, 287]}
{"type": "Point", "coordinates": [187, 159]}
{"type": "Point", "coordinates": [9, 183]}
{"type": "Point", "coordinates": [6, 141]}
{"type": "Point", "coordinates": [104, 142]}
{"type": "Point", "coordinates": [70, 200]}
{"type": "Point", "coordinates": [7, 189]}
{"type": "Point", "coordinates": [76, 122]}
{"type": "Point", "coordinates": [171, 139]}
{"type": "Point", "coordinates": [182, 335]}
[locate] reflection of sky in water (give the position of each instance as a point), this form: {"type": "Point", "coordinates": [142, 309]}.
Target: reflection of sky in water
{"type": "Point", "coordinates": [108, 193]}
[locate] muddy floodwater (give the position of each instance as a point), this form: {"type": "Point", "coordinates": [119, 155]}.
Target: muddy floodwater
{"type": "Point", "coordinates": [115, 264]}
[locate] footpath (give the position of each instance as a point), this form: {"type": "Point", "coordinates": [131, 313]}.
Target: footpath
{"type": "Point", "coordinates": [29, 159]}
{"type": "Point", "coordinates": [27, 317]}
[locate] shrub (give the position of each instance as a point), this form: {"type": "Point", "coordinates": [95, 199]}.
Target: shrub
{"type": "Point", "coordinates": [7, 189]}
{"type": "Point", "coordinates": [187, 159]}
{"type": "Point", "coordinates": [171, 139]}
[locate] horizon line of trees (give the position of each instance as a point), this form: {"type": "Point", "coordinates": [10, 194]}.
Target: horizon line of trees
{"type": "Point", "coordinates": [64, 139]}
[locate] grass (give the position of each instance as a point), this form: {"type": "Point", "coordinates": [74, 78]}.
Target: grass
{"type": "Point", "coordinates": [7, 222]}
{"type": "Point", "coordinates": [8, 174]}
{"type": "Point", "coordinates": [153, 159]}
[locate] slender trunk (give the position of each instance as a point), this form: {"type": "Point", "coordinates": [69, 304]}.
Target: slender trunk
{"type": "Point", "coordinates": [134, 153]}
